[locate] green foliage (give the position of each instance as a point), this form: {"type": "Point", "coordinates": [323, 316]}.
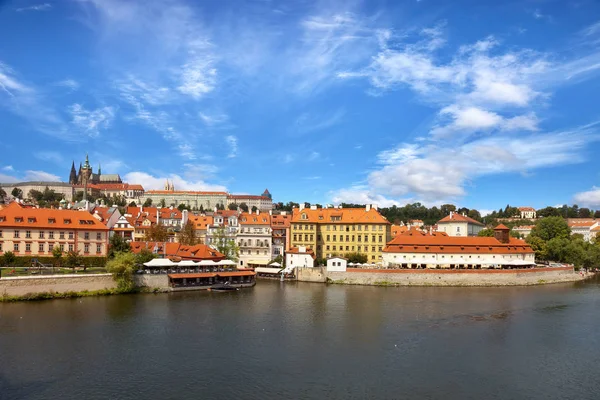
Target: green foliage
{"type": "Point", "coordinates": [487, 232]}
{"type": "Point", "coordinates": [2, 195]}
{"type": "Point", "coordinates": [147, 203]}
{"type": "Point", "coordinates": [63, 295]}
{"type": "Point", "coordinates": [220, 206]}
{"type": "Point", "coordinates": [551, 227]}
{"type": "Point", "coordinates": [132, 204]}
{"type": "Point", "coordinates": [16, 192]}
{"type": "Point", "coordinates": [73, 259]}
{"type": "Point", "coordinates": [538, 245]}
{"type": "Point", "coordinates": [122, 267]}
{"type": "Point", "coordinates": [254, 209]}
{"type": "Point", "coordinates": [57, 253]}
{"type": "Point", "coordinates": [117, 244]}
{"type": "Point", "coordinates": [182, 207]}
{"type": "Point", "coordinates": [157, 233]}
{"type": "Point", "coordinates": [244, 207]}
{"type": "Point", "coordinates": [226, 245]}
{"type": "Point", "coordinates": [163, 203]}
{"type": "Point", "coordinates": [8, 259]}
{"type": "Point", "coordinates": [357, 258]}
{"type": "Point", "coordinates": [187, 235]}
{"type": "Point", "coordinates": [286, 207]}
{"type": "Point", "coordinates": [320, 261]}
{"type": "Point", "coordinates": [232, 206]}
{"type": "Point", "coordinates": [279, 259]}
{"type": "Point", "coordinates": [144, 256]}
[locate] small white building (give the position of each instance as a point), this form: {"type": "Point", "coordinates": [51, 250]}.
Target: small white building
{"type": "Point", "coordinates": [527, 212]}
{"type": "Point", "coordinates": [337, 264]}
{"type": "Point", "coordinates": [300, 256]}
{"type": "Point", "coordinates": [459, 225]}
{"type": "Point", "coordinates": [584, 227]}
{"type": "Point", "coordinates": [524, 230]}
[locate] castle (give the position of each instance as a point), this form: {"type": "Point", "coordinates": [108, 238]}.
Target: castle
{"type": "Point", "coordinates": [86, 175]}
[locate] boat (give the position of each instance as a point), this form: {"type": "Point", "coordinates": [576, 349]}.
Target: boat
{"type": "Point", "coordinates": [223, 287]}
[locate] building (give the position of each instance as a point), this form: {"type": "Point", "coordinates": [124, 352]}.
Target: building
{"type": "Point", "coordinates": [201, 224]}
{"type": "Point", "coordinates": [30, 231]}
{"type": "Point", "coordinates": [61, 188]}
{"type": "Point", "coordinates": [300, 256]}
{"type": "Point", "coordinates": [194, 200]}
{"type": "Point", "coordinates": [583, 227]}
{"type": "Point", "coordinates": [178, 251]}
{"type": "Point", "coordinates": [107, 215]}
{"type": "Point", "coordinates": [340, 231]}
{"type": "Point", "coordinates": [86, 175]}
{"type": "Point", "coordinates": [261, 203]}
{"type": "Point", "coordinates": [142, 218]}
{"type": "Point", "coordinates": [524, 230]}
{"type": "Point", "coordinates": [225, 227]}
{"type": "Point", "coordinates": [337, 264]}
{"type": "Point", "coordinates": [280, 226]}
{"type": "Point", "coordinates": [124, 228]}
{"type": "Point", "coordinates": [442, 251]}
{"type": "Point", "coordinates": [527, 212]}
{"type": "Point", "coordinates": [254, 239]}
{"type": "Point", "coordinates": [457, 224]}
{"type": "Point", "coordinates": [395, 230]}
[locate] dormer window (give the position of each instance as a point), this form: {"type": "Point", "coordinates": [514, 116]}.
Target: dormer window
{"type": "Point", "coordinates": [51, 220]}
{"type": "Point", "coordinates": [304, 216]}
{"type": "Point", "coordinates": [31, 220]}
{"type": "Point", "coordinates": [67, 221]}
{"type": "Point", "coordinates": [18, 219]}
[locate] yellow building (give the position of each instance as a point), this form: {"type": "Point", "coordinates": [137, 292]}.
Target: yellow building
{"type": "Point", "coordinates": [340, 231]}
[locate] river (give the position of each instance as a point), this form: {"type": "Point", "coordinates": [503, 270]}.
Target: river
{"type": "Point", "coordinates": [307, 341]}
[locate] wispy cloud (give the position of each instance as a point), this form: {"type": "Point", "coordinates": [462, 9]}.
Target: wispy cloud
{"type": "Point", "coordinates": [51, 156]}
{"type": "Point", "coordinates": [314, 155]}
{"type": "Point", "coordinates": [29, 175]}
{"type": "Point", "coordinates": [8, 168]}
{"type": "Point", "coordinates": [215, 119]}
{"type": "Point", "coordinates": [232, 142]}
{"type": "Point", "coordinates": [308, 122]}
{"type": "Point", "coordinates": [590, 198]}
{"type": "Point", "coordinates": [91, 122]}
{"type": "Point", "coordinates": [37, 7]}
{"type": "Point", "coordinates": [71, 84]}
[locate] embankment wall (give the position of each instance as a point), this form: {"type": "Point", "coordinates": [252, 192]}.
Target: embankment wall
{"type": "Point", "coordinates": [19, 286]}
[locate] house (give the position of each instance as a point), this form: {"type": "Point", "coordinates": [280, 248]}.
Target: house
{"type": "Point", "coordinates": [457, 224]}
{"type": "Point", "coordinates": [124, 228]}
{"type": "Point", "coordinates": [398, 229]}
{"type": "Point", "coordinates": [280, 226]}
{"type": "Point", "coordinates": [254, 239]}
{"type": "Point", "coordinates": [442, 251]}
{"type": "Point", "coordinates": [340, 231]}
{"type": "Point", "coordinates": [583, 227]}
{"type": "Point", "coordinates": [30, 231]}
{"type": "Point", "coordinates": [225, 226]}
{"type": "Point", "coordinates": [527, 212]}
{"type": "Point", "coordinates": [337, 264]}
{"type": "Point", "coordinates": [300, 256]}
{"type": "Point", "coordinates": [524, 230]}
{"type": "Point", "coordinates": [107, 215]}
{"type": "Point", "coordinates": [178, 251]}
{"type": "Point", "coordinates": [201, 223]}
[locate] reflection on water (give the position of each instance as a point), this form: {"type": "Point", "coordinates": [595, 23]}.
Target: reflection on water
{"type": "Point", "coordinates": [312, 341]}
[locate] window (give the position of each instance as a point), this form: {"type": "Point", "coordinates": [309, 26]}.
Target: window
{"type": "Point", "coordinates": [28, 234]}
{"type": "Point", "coordinates": [360, 227]}
{"type": "Point", "coordinates": [328, 227]}
{"type": "Point", "coordinates": [457, 229]}
{"type": "Point", "coordinates": [380, 227]}
{"type": "Point", "coordinates": [70, 235]}
{"type": "Point", "coordinates": [61, 235]}
{"type": "Point", "coordinates": [41, 247]}
{"type": "Point", "coordinates": [0, 233]}
{"type": "Point", "coordinates": [16, 247]}
{"type": "Point", "coordinates": [380, 238]}
{"type": "Point", "coordinates": [16, 235]}
{"type": "Point", "coordinates": [86, 236]}
{"type": "Point", "coordinates": [334, 247]}
{"type": "Point", "coordinates": [347, 248]}
{"type": "Point", "coordinates": [326, 247]}
{"type": "Point", "coordinates": [41, 235]}
{"type": "Point", "coordinates": [366, 238]}
{"type": "Point", "coordinates": [347, 238]}
{"type": "Point", "coordinates": [99, 236]}
{"type": "Point", "coordinates": [295, 237]}
{"type": "Point", "coordinates": [62, 247]}
{"type": "Point", "coordinates": [359, 238]}
{"type": "Point", "coordinates": [70, 246]}
{"type": "Point", "coordinates": [328, 238]}
{"type": "Point", "coordinates": [28, 247]}
{"type": "Point", "coordinates": [306, 237]}
{"type": "Point", "coordinates": [335, 238]}
{"type": "Point", "coordinates": [0, 246]}
{"type": "Point", "coordinates": [51, 235]}
{"type": "Point", "coordinates": [86, 248]}
{"type": "Point", "coordinates": [373, 248]}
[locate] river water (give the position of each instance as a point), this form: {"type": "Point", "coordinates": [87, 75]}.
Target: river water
{"type": "Point", "coordinates": [307, 341]}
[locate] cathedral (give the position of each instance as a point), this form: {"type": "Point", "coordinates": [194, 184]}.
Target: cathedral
{"type": "Point", "coordinates": [87, 176]}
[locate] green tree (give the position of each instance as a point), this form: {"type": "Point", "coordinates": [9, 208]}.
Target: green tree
{"type": "Point", "coordinates": [117, 244]}
{"type": "Point", "coordinates": [182, 207]}
{"type": "Point", "coordinates": [551, 227]}
{"type": "Point", "coordinates": [254, 209]}
{"type": "Point", "coordinates": [157, 233]}
{"type": "Point", "coordinates": [232, 206]}
{"type": "Point", "coordinates": [538, 245]}
{"type": "Point", "coordinates": [132, 204]}
{"type": "Point", "coordinates": [187, 236]}
{"type": "Point", "coordinates": [584, 213]}
{"type": "Point", "coordinates": [244, 207]}
{"type": "Point", "coordinates": [163, 203]}
{"type": "Point", "coordinates": [35, 195]}
{"type": "Point", "coordinates": [17, 193]}
{"type": "Point", "coordinates": [122, 267]}
{"type": "Point", "coordinates": [57, 253]}
{"type": "Point", "coordinates": [357, 258]}
{"type": "Point", "coordinates": [2, 195]}
{"type": "Point", "coordinates": [147, 203]}
{"type": "Point", "coordinates": [144, 256]}
{"type": "Point", "coordinates": [487, 232]}
{"type": "Point", "coordinates": [8, 258]}
{"type": "Point", "coordinates": [225, 245]}
{"type": "Point", "coordinates": [597, 214]}
{"type": "Point", "coordinates": [73, 259]}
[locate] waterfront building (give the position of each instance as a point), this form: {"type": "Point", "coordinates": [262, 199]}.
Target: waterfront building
{"type": "Point", "coordinates": [300, 256]}
{"type": "Point", "coordinates": [224, 227]}
{"type": "Point", "coordinates": [524, 230]}
{"type": "Point", "coordinates": [107, 215]}
{"type": "Point", "coordinates": [280, 226]}
{"type": "Point", "coordinates": [337, 264]}
{"type": "Point", "coordinates": [583, 227]}
{"type": "Point", "coordinates": [457, 224]}
{"type": "Point", "coordinates": [254, 239]}
{"type": "Point", "coordinates": [178, 251]}
{"type": "Point", "coordinates": [340, 231]}
{"type": "Point", "coordinates": [423, 250]}
{"type": "Point", "coordinates": [61, 188]}
{"type": "Point", "coordinates": [31, 231]}
{"type": "Point", "coordinates": [527, 212]}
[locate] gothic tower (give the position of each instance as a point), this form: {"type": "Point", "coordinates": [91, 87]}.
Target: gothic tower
{"type": "Point", "coordinates": [73, 175]}
{"type": "Point", "coordinates": [86, 171]}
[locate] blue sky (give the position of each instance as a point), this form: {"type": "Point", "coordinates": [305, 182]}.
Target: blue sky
{"type": "Point", "coordinates": [471, 102]}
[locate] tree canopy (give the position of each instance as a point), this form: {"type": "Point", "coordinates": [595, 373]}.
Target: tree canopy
{"type": "Point", "coordinates": [551, 227]}
{"type": "Point", "coordinates": [117, 244]}
{"type": "Point", "coordinates": [157, 233]}
{"type": "Point", "coordinates": [232, 206]}
{"type": "Point", "coordinates": [244, 207]}
{"type": "Point", "coordinates": [122, 267]}
{"type": "Point", "coordinates": [225, 245]}
{"type": "Point", "coordinates": [187, 235]}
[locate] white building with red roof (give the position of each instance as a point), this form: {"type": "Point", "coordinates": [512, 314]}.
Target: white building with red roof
{"type": "Point", "coordinates": [457, 224]}
{"type": "Point", "coordinates": [527, 212]}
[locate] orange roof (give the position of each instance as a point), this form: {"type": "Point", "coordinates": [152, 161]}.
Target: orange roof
{"type": "Point", "coordinates": [417, 232]}
{"type": "Point", "coordinates": [15, 216]}
{"type": "Point", "coordinates": [201, 222]}
{"type": "Point", "coordinates": [397, 229]}
{"type": "Point", "coordinates": [196, 252]}
{"type": "Point", "coordinates": [262, 218]}
{"type": "Point", "coordinates": [581, 224]}
{"type": "Point", "coordinates": [279, 221]}
{"type": "Point", "coordinates": [338, 216]}
{"type": "Point", "coordinates": [455, 244]}
{"type": "Point", "coordinates": [596, 229]}
{"type": "Point", "coordinates": [103, 212]}
{"type": "Point", "coordinates": [456, 217]}
{"type": "Point", "coordinates": [165, 212]}
{"type": "Point", "coordinates": [296, 250]}
{"type": "Point", "coordinates": [526, 209]}
{"type": "Point", "coordinates": [502, 227]}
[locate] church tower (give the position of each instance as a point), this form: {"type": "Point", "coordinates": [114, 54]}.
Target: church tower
{"type": "Point", "coordinates": [73, 175]}
{"type": "Point", "coordinates": [86, 172]}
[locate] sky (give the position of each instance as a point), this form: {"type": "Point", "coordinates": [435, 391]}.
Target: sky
{"type": "Point", "coordinates": [476, 103]}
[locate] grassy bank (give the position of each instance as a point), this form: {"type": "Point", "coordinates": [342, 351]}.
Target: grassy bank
{"type": "Point", "coordinates": [65, 295]}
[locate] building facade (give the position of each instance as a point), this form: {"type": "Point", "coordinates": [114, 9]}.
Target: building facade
{"type": "Point", "coordinates": [280, 226]}
{"type": "Point", "coordinates": [28, 231]}
{"type": "Point", "coordinates": [85, 175]}
{"type": "Point", "coordinates": [527, 212]}
{"type": "Point", "coordinates": [64, 189]}
{"type": "Point", "coordinates": [300, 256]}
{"type": "Point", "coordinates": [340, 231]}
{"type": "Point", "coordinates": [194, 200]}
{"type": "Point", "coordinates": [459, 225]}
{"type": "Point", "coordinates": [254, 239]}
{"type": "Point", "coordinates": [262, 203]}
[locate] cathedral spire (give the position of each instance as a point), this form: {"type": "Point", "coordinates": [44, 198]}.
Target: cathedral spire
{"type": "Point", "coordinates": [99, 170]}
{"type": "Point", "coordinates": [73, 175]}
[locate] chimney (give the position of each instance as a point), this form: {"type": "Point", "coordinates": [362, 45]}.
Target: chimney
{"type": "Point", "coordinates": [184, 217]}
{"type": "Point", "coordinates": [368, 208]}
{"type": "Point", "coordinates": [257, 212]}
{"type": "Point", "coordinates": [313, 207]}
{"type": "Point", "coordinates": [375, 207]}
{"type": "Point", "coordinates": [451, 214]}
{"type": "Point", "coordinates": [301, 207]}
{"type": "Point", "coordinates": [284, 213]}
{"type": "Point", "coordinates": [502, 234]}
{"type": "Point", "coordinates": [270, 212]}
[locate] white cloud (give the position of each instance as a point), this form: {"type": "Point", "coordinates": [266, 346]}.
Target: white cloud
{"type": "Point", "coordinates": [91, 122]}
{"type": "Point", "coordinates": [40, 176]}
{"type": "Point", "coordinates": [8, 168]}
{"type": "Point", "coordinates": [151, 182]}
{"type": "Point", "coordinates": [36, 7]}
{"type": "Point", "coordinates": [590, 198]}
{"type": "Point", "coordinates": [362, 195]}
{"type": "Point", "coordinates": [213, 119]}
{"type": "Point", "coordinates": [51, 156]}
{"type": "Point", "coordinates": [232, 142]}
{"type": "Point", "coordinates": [198, 77]}
{"type": "Point", "coordinates": [313, 155]}
{"type": "Point", "coordinates": [307, 122]}
{"type": "Point", "coordinates": [69, 83]}
{"type": "Point", "coordinates": [311, 178]}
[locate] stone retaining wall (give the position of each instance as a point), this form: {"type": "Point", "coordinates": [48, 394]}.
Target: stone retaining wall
{"type": "Point", "coordinates": [316, 274]}
{"type": "Point", "coordinates": [152, 281]}
{"type": "Point", "coordinates": [19, 286]}
{"type": "Point", "coordinates": [404, 277]}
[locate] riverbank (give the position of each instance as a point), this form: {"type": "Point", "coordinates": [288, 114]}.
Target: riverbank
{"type": "Point", "coordinates": [435, 277]}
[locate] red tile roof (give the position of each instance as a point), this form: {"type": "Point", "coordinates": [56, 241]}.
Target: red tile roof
{"type": "Point", "coordinates": [502, 227]}
{"type": "Point", "coordinates": [279, 221]}
{"type": "Point", "coordinates": [262, 218]}
{"type": "Point", "coordinates": [196, 252]}
{"type": "Point", "coordinates": [15, 216]}
{"type": "Point", "coordinates": [454, 245]}
{"type": "Point", "coordinates": [338, 216]}
{"type": "Point", "coordinates": [456, 217]}
{"type": "Point", "coordinates": [296, 250]}
{"type": "Point", "coordinates": [526, 209]}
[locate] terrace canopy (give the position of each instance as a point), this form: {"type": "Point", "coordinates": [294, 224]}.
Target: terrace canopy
{"type": "Point", "coordinates": [207, 263]}
{"type": "Point", "coordinates": [226, 262]}
{"type": "Point", "coordinates": [187, 263]}
{"type": "Point", "coordinates": [160, 262]}
{"type": "Point", "coordinates": [266, 270]}
{"type": "Point", "coordinates": [275, 264]}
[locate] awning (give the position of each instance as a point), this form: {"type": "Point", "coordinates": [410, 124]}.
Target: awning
{"type": "Point", "coordinates": [237, 273]}
{"type": "Point", "coordinates": [187, 263]}
{"type": "Point", "coordinates": [192, 276]}
{"type": "Point", "coordinates": [258, 262]}
{"type": "Point", "coordinates": [226, 262]}
{"type": "Point", "coordinates": [275, 264]}
{"type": "Point", "coordinates": [207, 263]}
{"type": "Point", "coordinates": [160, 262]}
{"type": "Point", "coordinates": [266, 270]}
